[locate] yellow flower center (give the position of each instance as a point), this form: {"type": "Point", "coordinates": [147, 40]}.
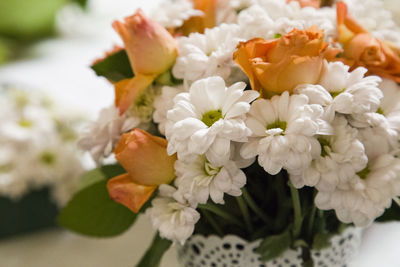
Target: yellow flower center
{"type": "Point", "coordinates": [380, 111]}
{"type": "Point", "coordinates": [364, 173]}
{"type": "Point", "coordinates": [277, 124]}
{"type": "Point", "coordinates": [25, 123]}
{"type": "Point", "coordinates": [210, 117]}
{"type": "Point", "coordinates": [336, 93]}
{"type": "Point", "coordinates": [325, 146]}
{"type": "Point", "coordinates": [47, 158]}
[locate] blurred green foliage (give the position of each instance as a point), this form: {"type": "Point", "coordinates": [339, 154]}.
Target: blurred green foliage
{"type": "Point", "coordinates": [24, 21]}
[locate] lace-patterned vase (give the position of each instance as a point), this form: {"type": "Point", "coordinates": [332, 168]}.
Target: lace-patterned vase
{"type": "Point", "coordinates": [231, 251]}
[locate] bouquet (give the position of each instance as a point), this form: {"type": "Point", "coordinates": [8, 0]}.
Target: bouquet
{"type": "Point", "coordinates": [266, 119]}
{"type": "Point", "coordinates": [39, 165]}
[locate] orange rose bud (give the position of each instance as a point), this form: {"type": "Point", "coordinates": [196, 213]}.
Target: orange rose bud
{"type": "Point", "coordinates": [133, 196]}
{"type": "Point", "coordinates": [281, 64]}
{"type": "Point", "coordinates": [151, 49]}
{"type": "Point", "coordinates": [148, 165]}
{"type": "Point", "coordinates": [308, 3]}
{"type": "Point", "coordinates": [144, 157]}
{"type": "Point", "coordinates": [361, 49]}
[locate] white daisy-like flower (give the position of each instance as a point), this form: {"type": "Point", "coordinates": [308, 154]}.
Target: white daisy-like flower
{"type": "Point", "coordinates": [343, 91]}
{"type": "Point", "coordinates": [207, 118]}
{"type": "Point", "coordinates": [379, 131]}
{"type": "Point", "coordinates": [256, 22]}
{"type": "Point", "coordinates": [227, 10]}
{"type": "Point", "coordinates": [367, 194]}
{"type": "Point", "coordinates": [163, 103]}
{"type": "Point", "coordinates": [172, 14]}
{"type": "Point", "coordinates": [388, 114]}
{"type": "Point", "coordinates": [283, 133]}
{"type": "Point", "coordinates": [342, 155]}
{"type": "Point", "coordinates": [288, 16]}
{"type": "Point", "coordinates": [390, 104]}
{"type": "Point", "coordinates": [28, 124]}
{"type": "Point", "coordinates": [200, 180]}
{"type": "Point", "coordinates": [208, 54]}
{"type": "Point", "coordinates": [101, 136]}
{"type": "Point", "coordinates": [171, 214]}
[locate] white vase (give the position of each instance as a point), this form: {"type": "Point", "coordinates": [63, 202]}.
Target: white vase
{"type": "Point", "coordinates": [230, 251]}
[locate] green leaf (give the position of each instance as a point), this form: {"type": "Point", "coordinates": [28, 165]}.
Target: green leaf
{"type": "Point", "coordinates": [391, 214]}
{"type": "Point", "coordinates": [154, 253]}
{"type": "Point", "coordinates": [103, 173]}
{"type": "Point", "coordinates": [113, 170]}
{"type": "Point", "coordinates": [114, 67]}
{"type": "Point", "coordinates": [82, 3]}
{"type": "Point", "coordinates": [92, 212]}
{"type": "Point", "coordinates": [273, 246]}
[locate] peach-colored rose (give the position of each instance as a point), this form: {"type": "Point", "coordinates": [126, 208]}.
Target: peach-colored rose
{"type": "Point", "coordinates": [148, 165]}
{"type": "Point", "coordinates": [151, 49]}
{"type": "Point", "coordinates": [280, 65]}
{"type": "Point", "coordinates": [362, 49]}
{"type": "Point", "coordinates": [308, 3]}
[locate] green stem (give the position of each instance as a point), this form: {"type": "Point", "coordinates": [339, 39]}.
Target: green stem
{"type": "Point", "coordinates": [297, 210]}
{"type": "Point", "coordinates": [312, 218]}
{"type": "Point", "coordinates": [213, 223]}
{"type": "Point", "coordinates": [222, 213]}
{"type": "Point", "coordinates": [252, 204]}
{"type": "Point", "coordinates": [245, 211]}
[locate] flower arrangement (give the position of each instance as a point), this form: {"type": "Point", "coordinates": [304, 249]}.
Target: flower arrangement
{"type": "Point", "coordinates": [268, 119]}
{"type": "Point", "coordinates": [39, 164]}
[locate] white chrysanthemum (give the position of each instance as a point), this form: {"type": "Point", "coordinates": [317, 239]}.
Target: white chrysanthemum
{"type": "Point", "coordinates": [208, 54]}
{"type": "Point", "coordinates": [100, 137]}
{"type": "Point", "coordinates": [207, 119]}
{"type": "Point", "coordinates": [342, 155]}
{"type": "Point", "coordinates": [172, 14]}
{"type": "Point", "coordinates": [367, 194]}
{"type": "Point", "coordinates": [28, 124]}
{"type": "Point", "coordinates": [288, 16]}
{"type": "Point", "coordinates": [171, 215]}
{"type": "Point", "coordinates": [343, 91]}
{"type": "Point", "coordinates": [200, 180]}
{"type": "Point", "coordinates": [388, 113]}
{"type": "Point", "coordinates": [390, 104]}
{"type": "Point", "coordinates": [255, 22]}
{"type": "Point", "coordinates": [372, 15]}
{"type": "Point", "coordinates": [283, 133]}
{"type": "Point", "coordinates": [36, 146]}
{"type": "Point", "coordinates": [379, 131]}
{"type": "Point", "coordinates": [227, 10]}
{"type": "Point", "coordinates": [163, 103]}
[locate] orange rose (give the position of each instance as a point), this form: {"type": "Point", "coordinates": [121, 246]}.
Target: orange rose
{"type": "Point", "coordinates": [362, 49]}
{"type": "Point", "coordinates": [280, 65]}
{"type": "Point", "coordinates": [151, 49]}
{"type": "Point", "coordinates": [305, 3]}
{"type": "Point", "coordinates": [148, 165]}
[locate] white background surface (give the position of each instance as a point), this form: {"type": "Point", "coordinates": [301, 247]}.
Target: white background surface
{"type": "Point", "coordinates": [60, 66]}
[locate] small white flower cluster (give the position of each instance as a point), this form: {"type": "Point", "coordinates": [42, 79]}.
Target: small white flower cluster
{"type": "Point", "coordinates": [100, 137]}
{"type": "Point", "coordinates": [203, 127]}
{"type": "Point", "coordinates": [356, 170]}
{"type": "Point", "coordinates": [36, 146]}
